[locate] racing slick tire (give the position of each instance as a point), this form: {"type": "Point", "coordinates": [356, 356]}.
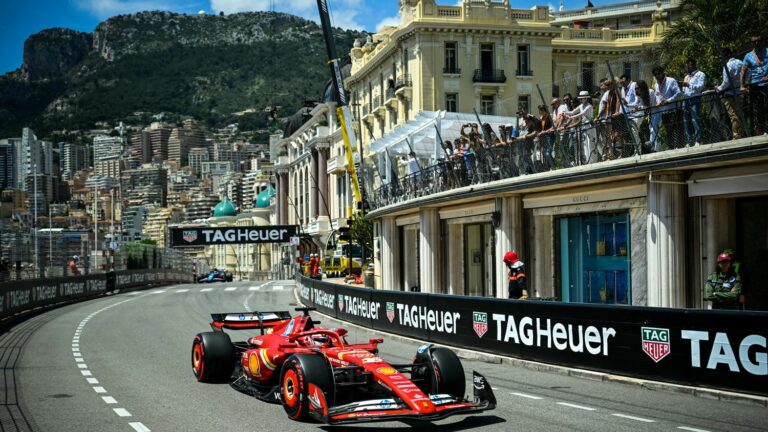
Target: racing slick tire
{"type": "Point", "coordinates": [212, 357]}
{"type": "Point", "coordinates": [442, 372]}
{"type": "Point", "coordinates": [298, 372]}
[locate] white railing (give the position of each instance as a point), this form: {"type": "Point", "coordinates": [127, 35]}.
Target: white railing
{"type": "Point", "coordinates": [632, 34]}
{"type": "Point", "coordinates": [626, 7]}
{"type": "Point", "coordinates": [521, 14]}
{"type": "Point", "coordinates": [449, 11]}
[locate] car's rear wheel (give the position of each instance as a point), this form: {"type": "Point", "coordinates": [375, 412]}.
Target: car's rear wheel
{"type": "Point", "coordinates": [212, 357]}
{"type": "Point", "coordinates": [299, 373]}
{"type": "Point", "coordinates": [439, 370]}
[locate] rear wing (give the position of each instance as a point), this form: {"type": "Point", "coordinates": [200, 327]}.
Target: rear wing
{"type": "Point", "coordinates": [248, 320]}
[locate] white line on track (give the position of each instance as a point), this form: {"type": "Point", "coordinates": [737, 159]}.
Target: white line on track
{"type": "Point", "coordinates": [527, 396]}
{"type": "Point", "coordinates": [692, 429]}
{"type": "Point", "coordinates": [581, 407]}
{"type": "Point", "coordinates": [230, 288]}
{"type": "Point", "coordinates": [206, 289]}
{"type": "Point", "coordinates": [278, 288]}
{"type": "Point", "coordinates": [182, 290]}
{"type": "Point", "coordinates": [139, 427]}
{"type": "Point", "coordinates": [158, 291]}
{"type": "Point", "coordinates": [254, 288]}
{"type": "Point", "coordinates": [640, 419]}
{"type": "Point", "coordinates": [122, 412]}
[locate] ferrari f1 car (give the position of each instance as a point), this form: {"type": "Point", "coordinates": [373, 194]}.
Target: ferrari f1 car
{"type": "Point", "coordinates": [316, 374]}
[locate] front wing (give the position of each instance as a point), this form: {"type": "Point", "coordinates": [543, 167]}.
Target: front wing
{"type": "Point", "coordinates": [394, 409]}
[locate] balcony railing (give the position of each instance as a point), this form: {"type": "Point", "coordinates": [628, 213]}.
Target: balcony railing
{"type": "Point", "coordinates": [496, 76]}
{"type": "Point", "coordinates": [524, 72]}
{"type": "Point", "coordinates": [628, 133]}
{"type": "Point", "coordinates": [390, 93]}
{"type": "Point", "coordinates": [451, 70]}
{"type": "Point", "coordinates": [403, 81]}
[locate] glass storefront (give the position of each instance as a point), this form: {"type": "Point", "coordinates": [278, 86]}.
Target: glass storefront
{"type": "Point", "coordinates": [595, 258]}
{"type": "Point", "coordinates": [478, 259]}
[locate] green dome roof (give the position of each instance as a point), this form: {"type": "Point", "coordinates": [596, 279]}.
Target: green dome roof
{"type": "Point", "coordinates": [262, 200]}
{"type": "Point", "coordinates": [224, 208]}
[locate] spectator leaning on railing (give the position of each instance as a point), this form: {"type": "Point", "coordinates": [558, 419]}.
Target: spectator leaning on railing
{"type": "Point", "coordinates": [693, 85]}
{"type": "Point", "coordinates": [730, 90]}
{"type": "Point", "coordinates": [582, 114]}
{"type": "Point", "coordinates": [756, 63]}
{"type": "Point", "coordinates": [668, 93]}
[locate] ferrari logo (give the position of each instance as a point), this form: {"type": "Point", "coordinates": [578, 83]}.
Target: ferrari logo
{"type": "Point", "coordinates": [386, 371]}
{"type": "Point", "coordinates": [655, 342]}
{"type": "Point", "coordinates": [189, 236]}
{"type": "Point", "coordinates": [390, 311]}
{"type": "Point", "coordinates": [341, 302]}
{"type": "Point", "coordinates": [480, 323]}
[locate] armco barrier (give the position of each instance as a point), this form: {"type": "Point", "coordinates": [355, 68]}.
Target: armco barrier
{"type": "Point", "coordinates": [707, 348]}
{"type": "Point", "coordinates": [18, 297]}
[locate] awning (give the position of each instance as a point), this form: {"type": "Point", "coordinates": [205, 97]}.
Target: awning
{"type": "Point", "coordinates": [729, 181]}
{"type": "Point", "coordinates": [422, 134]}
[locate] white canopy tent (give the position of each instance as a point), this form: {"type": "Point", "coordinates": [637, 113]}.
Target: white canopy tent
{"type": "Point", "coordinates": [421, 134]}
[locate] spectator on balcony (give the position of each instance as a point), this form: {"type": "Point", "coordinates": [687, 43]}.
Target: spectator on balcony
{"type": "Point", "coordinates": [522, 113]}
{"type": "Point", "coordinates": [756, 64]}
{"type": "Point", "coordinates": [582, 115]}
{"type": "Point", "coordinates": [628, 90]}
{"type": "Point", "coordinates": [668, 92]}
{"type": "Point", "coordinates": [730, 90]}
{"type": "Point", "coordinates": [546, 136]}
{"type": "Point", "coordinates": [635, 106]}
{"type": "Point", "coordinates": [448, 149]}
{"type": "Point", "coordinates": [526, 142]}
{"type": "Point", "coordinates": [609, 122]}
{"type": "Point", "coordinates": [646, 99]}
{"type": "Point", "coordinates": [693, 85]}
{"type": "Point", "coordinates": [568, 101]}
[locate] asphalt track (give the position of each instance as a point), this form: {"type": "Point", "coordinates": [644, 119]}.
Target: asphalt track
{"type": "Point", "coordinates": [121, 363]}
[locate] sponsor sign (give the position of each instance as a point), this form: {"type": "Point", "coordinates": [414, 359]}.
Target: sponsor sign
{"type": "Point", "coordinates": [205, 236]}
{"type": "Point", "coordinates": [480, 323]}
{"type": "Point", "coordinates": [390, 311]}
{"type": "Point", "coordinates": [655, 342]}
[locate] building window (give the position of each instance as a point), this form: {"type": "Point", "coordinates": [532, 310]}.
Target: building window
{"type": "Point", "coordinates": [487, 104]}
{"type": "Point", "coordinates": [598, 24]}
{"type": "Point", "coordinates": [628, 70]}
{"type": "Point", "coordinates": [635, 20]}
{"type": "Point", "coordinates": [594, 258]}
{"type": "Point", "coordinates": [486, 59]}
{"type": "Point", "coordinates": [523, 61]}
{"type": "Point", "coordinates": [588, 76]}
{"type": "Point", "coordinates": [524, 102]}
{"type": "Point", "coordinates": [451, 60]}
{"type": "Point", "coordinates": [451, 102]}
{"type": "Point", "coordinates": [405, 61]}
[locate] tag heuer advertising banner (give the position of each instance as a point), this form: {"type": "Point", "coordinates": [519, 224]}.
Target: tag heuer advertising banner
{"type": "Point", "coordinates": [202, 236]}
{"type": "Point", "coordinates": [720, 349]}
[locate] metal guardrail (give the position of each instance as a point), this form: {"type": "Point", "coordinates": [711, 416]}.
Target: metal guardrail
{"type": "Point", "coordinates": [625, 134]}
{"type": "Point", "coordinates": [496, 76]}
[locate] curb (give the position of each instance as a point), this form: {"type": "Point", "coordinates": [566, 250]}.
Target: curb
{"type": "Point", "coordinates": [464, 353]}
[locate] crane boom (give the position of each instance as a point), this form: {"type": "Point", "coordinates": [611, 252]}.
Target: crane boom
{"type": "Point", "coordinates": [343, 112]}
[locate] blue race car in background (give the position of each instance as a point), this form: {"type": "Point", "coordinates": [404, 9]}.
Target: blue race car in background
{"type": "Point", "coordinates": [216, 275]}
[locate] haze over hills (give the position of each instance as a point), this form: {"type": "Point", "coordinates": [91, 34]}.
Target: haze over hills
{"type": "Point", "coordinates": [206, 66]}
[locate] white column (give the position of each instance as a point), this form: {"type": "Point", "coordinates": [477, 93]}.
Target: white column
{"type": "Point", "coordinates": [389, 270]}
{"type": "Point", "coordinates": [429, 251]}
{"type": "Point", "coordinates": [541, 271]}
{"type": "Point", "coordinates": [509, 236]}
{"type": "Point", "coordinates": [666, 241]}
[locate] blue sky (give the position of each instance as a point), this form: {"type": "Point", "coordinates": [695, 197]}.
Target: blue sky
{"type": "Point", "coordinates": [19, 18]}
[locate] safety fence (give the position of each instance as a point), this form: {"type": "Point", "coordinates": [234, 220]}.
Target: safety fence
{"type": "Point", "coordinates": [717, 349]}
{"type": "Point", "coordinates": [484, 155]}
{"type": "Point", "coordinates": [20, 297]}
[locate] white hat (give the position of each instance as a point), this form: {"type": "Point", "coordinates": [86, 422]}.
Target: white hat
{"type": "Point", "coordinates": [584, 94]}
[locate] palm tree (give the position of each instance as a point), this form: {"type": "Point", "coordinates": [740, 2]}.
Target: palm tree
{"type": "Point", "coordinates": [708, 26]}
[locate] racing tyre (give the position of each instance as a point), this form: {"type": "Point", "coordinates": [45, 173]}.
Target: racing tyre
{"type": "Point", "coordinates": [442, 372]}
{"type": "Point", "coordinates": [212, 357]}
{"type": "Point", "coordinates": [298, 373]}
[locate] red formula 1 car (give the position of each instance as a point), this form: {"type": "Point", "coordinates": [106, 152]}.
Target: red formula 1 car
{"type": "Point", "coordinates": [315, 373]}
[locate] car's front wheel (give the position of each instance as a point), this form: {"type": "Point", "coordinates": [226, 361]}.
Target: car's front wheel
{"type": "Point", "coordinates": [212, 357]}
{"type": "Point", "coordinates": [439, 371]}
{"type": "Point", "coordinates": [306, 382]}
